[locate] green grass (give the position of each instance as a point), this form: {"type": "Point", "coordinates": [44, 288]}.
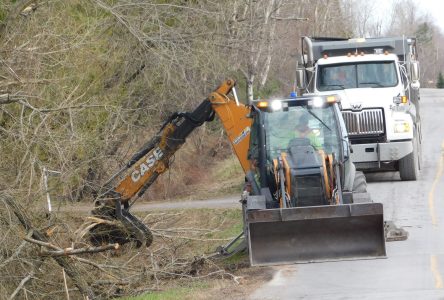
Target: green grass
{"type": "Point", "coordinates": [236, 258]}
{"type": "Point", "coordinates": [2, 15]}
{"type": "Point", "coordinates": [231, 216]}
{"type": "Point", "coordinates": [228, 169]}
{"type": "Point", "coordinates": [230, 175]}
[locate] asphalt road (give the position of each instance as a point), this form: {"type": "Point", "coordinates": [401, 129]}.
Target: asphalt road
{"type": "Point", "coordinates": [413, 269]}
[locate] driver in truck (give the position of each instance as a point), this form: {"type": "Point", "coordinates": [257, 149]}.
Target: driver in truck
{"type": "Point", "coordinates": [340, 78]}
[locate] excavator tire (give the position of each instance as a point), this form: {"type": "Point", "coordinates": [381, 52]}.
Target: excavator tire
{"type": "Point", "coordinates": [360, 194]}
{"type": "Point", "coordinates": [360, 183]}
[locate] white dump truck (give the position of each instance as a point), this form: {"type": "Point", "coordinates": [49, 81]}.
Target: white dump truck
{"type": "Point", "coordinates": [378, 82]}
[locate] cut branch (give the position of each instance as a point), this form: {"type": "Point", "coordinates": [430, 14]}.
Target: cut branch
{"type": "Point", "coordinates": [40, 243]}
{"type": "Point", "coordinates": [64, 262]}
{"type": "Point", "coordinates": [70, 251]}
{"type": "Point", "coordinates": [57, 251]}
{"type": "Point", "coordinates": [21, 285]}
{"type": "Point", "coordinates": [8, 98]}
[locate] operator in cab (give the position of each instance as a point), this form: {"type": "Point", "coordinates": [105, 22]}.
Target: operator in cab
{"type": "Point", "coordinates": [302, 130]}
{"type": "Point", "coordinates": [287, 126]}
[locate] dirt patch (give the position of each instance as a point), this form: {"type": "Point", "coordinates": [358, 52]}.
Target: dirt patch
{"type": "Point", "coordinates": [250, 279]}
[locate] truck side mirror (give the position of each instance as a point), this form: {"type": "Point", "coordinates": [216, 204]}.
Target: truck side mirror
{"type": "Point", "coordinates": [414, 69]}
{"type": "Point", "coordinates": [300, 79]}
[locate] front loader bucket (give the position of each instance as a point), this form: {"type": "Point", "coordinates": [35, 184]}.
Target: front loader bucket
{"type": "Point", "coordinates": [315, 233]}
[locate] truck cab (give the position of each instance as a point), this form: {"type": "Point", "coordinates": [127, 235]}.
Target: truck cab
{"type": "Point", "coordinates": [377, 80]}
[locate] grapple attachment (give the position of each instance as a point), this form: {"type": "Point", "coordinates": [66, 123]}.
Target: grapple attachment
{"type": "Point", "coordinates": [315, 233]}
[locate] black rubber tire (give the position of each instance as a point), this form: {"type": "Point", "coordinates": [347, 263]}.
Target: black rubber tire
{"type": "Point", "coordinates": [409, 165]}
{"type": "Point", "coordinates": [360, 183]}
{"type": "Point", "coordinates": [419, 140]}
{"type": "Point", "coordinates": [360, 194]}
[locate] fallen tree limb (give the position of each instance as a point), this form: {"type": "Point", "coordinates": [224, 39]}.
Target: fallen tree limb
{"type": "Point", "coordinates": [158, 234]}
{"type": "Point", "coordinates": [91, 223]}
{"type": "Point", "coordinates": [21, 285]}
{"type": "Point", "coordinates": [8, 98]}
{"type": "Point", "coordinates": [70, 251]}
{"type": "Point", "coordinates": [40, 243]}
{"type": "Point", "coordinates": [70, 268]}
{"type": "Point", "coordinates": [57, 251]}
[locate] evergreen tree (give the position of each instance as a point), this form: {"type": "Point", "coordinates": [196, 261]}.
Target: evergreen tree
{"type": "Point", "coordinates": [440, 83]}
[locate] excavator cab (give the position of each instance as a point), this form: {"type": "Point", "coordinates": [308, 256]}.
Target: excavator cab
{"type": "Point", "coordinates": [304, 205]}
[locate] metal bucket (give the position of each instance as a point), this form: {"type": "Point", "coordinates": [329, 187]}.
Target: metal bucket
{"type": "Point", "coordinates": [315, 233]}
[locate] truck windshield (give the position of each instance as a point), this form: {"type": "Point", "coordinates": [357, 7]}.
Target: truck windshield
{"type": "Point", "coordinates": [304, 126]}
{"type": "Point", "coordinates": [357, 75]}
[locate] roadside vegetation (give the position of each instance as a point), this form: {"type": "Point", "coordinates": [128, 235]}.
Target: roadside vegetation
{"type": "Point", "coordinates": [84, 83]}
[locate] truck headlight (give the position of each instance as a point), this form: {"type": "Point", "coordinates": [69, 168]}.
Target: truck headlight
{"type": "Point", "coordinates": [402, 127]}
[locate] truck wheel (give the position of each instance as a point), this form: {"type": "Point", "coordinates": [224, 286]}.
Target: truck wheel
{"type": "Point", "coordinates": [419, 143]}
{"type": "Point", "coordinates": [409, 165]}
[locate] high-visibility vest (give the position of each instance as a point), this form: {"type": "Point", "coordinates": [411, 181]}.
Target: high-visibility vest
{"type": "Point", "coordinates": [309, 134]}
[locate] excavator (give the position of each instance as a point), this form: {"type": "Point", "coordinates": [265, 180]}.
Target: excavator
{"type": "Point", "coordinates": [303, 200]}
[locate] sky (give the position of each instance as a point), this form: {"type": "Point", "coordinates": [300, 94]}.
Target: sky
{"type": "Point", "coordinates": [434, 7]}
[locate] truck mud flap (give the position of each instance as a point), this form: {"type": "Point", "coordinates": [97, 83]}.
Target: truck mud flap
{"type": "Point", "coordinates": [315, 233]}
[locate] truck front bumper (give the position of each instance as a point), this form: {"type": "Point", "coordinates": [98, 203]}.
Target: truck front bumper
{"type": "Point", "coordinates": [380, 152]}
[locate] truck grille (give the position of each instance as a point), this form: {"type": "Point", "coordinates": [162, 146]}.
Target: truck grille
{"type": "Point", "coordinates": [365, 122]}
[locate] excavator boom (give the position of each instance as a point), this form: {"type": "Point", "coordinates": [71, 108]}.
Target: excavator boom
{"type": "Point", "coordinates": [153, 159]}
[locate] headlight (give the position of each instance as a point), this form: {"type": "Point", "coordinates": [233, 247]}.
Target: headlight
{"type": "Point", "coordinates": [276, 105]}
{"type": "Point", "coordinates": [402, 127]}
{"type": "Point", "coordinates": [318, 102]}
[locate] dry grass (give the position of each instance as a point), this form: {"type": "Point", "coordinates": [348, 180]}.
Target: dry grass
{"type": "Point", "coordinates": [178, 262]}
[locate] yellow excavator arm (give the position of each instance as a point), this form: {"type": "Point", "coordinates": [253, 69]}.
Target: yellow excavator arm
{"type": "Point", "coordinates": [154, 157]}
{"type": "Point", "coordinates": [233, 115]}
